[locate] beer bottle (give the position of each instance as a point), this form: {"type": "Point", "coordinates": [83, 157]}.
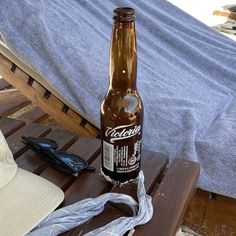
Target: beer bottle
{"type": "Point", "coordinates": [122, 109]}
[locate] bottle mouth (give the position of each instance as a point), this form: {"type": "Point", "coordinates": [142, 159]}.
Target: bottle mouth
{"type": "Point", "coordinates": [125, 14]}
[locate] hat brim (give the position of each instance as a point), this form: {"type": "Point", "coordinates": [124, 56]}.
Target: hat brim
{"type": "Point", "coordinates": [26, 201]}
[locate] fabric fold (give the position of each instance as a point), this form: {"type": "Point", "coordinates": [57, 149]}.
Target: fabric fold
{"type": "Point", "coordinates": [71, 216]}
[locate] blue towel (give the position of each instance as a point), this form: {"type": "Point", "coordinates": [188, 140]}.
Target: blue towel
{"type": "Point", "coordinates": [186, 73]}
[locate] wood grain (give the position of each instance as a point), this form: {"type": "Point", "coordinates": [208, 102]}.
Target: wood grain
{"type": "Point", "coordinates": [14, 141]}
{"type": "Point", "coordinates": [171, 198]}
{"type": "Point", "coordinates": [50, 104]}
{"type": "Point", "coordinates": [8, 126]}
{"type": "Point", "coordinates": [34, 115]}
{"type": "Point", "coordinates": [211, 217]}
{"type": "Point", "coordinates": [231, 15]}
{"type": "Point", "coordinates": [7, 109]}
{"type": "Point", "coordinates": [10, 95]}
{"type": "Point", "coordinates": [4, 84]}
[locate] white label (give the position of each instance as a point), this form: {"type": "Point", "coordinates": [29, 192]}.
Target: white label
{"type": "Point", "coordinates": [108, 151]}
{"type": "Point", "coordinates": [122, 132]}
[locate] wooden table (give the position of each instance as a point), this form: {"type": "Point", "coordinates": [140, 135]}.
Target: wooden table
{"type": "Point", "coordinates": [171, 188]}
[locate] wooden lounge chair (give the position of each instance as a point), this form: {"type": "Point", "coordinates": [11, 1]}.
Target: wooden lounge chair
{"type": "Point", "coordinates": [37, 90]}
{"type": "Point", "coordinates": [161, 179]}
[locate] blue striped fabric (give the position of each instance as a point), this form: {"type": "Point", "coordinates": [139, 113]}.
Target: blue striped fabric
{"type": "Point", "coordinates": [78, 213]}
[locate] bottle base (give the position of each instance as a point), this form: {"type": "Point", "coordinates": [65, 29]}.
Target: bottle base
{"type": "Point", "coordinates": [118, 183]}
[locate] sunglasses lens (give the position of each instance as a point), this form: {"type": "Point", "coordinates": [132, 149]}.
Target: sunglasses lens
{"type": "Point", "coordinates": [40, 142]}
{"type": "Point", "coordinates": [71, 162]}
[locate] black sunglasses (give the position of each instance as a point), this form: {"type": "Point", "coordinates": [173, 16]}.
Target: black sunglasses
{"type": "Point", "coordinates": [68, 163]}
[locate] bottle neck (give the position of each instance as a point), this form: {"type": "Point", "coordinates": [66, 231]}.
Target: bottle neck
{"type": "Point", "coordinates": [123, 57]}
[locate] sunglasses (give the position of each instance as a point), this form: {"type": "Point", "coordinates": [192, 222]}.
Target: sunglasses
{"type": "Point", "coordinates": [68, 163]}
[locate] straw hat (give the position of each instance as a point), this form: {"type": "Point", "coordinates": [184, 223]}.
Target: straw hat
{"type": "Point", "coordinates": [25, 198]}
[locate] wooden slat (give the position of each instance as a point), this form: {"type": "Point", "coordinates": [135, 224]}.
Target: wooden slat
{"type": "Point", "coordinates": [89, 184]}
{"type": "Point", "coordinates": [10, 95]}
{"type": "Point", "coordinates": [87, 148]}
{"type": "Point", "coordinates": [9, 108]}
{"type": "Point", "coordinates": [109, 214]}
{"type": "Point", "coordinates": [231, 15]}
{"type": "Point", "coordinates": [51, 99]}
{"type": "Point", "coordinates": [91, 129]}
{"type": "Point", "coordinates": [171, 198]}
{"type": "Point", "coordinates": [14, 141]}
{"type": "Point", "coordinates": [153, 165]}
{"type": "Point", "coordinates": [50, 105]}
{"type": "Point", "coordinates": [8, 125]}
{"type": "Point", "coordinates": [4, 84]}
{"type": "Point", "coordinates": [33, 163]}
{"type": "Point", "coordinates": [34, 115]}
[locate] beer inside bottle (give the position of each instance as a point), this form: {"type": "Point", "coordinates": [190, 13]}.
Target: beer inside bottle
{"type": "Point", "coordinates": [122, 109]}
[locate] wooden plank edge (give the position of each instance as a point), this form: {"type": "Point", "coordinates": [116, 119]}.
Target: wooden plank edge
{"type": "Point", "coordinates": [10, 95]}
{"type": "Point", "coordinates": [179, 183]}
{"type": "Point", "coordinates": [230, 15]}
{"type": "Point", "coordinates": [4, 84]}
{"type": "Point", "coordinates": [15, 108]}
{"type": "Point", "coordinates": [15, 125]}
{"type": "Point", "coordinates": [44, 99]}
{"type": "Point", "coordinates": [113, 211]}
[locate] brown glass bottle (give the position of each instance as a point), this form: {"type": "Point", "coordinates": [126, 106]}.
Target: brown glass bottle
{"type": "Point", "coordinates": [122, 109]}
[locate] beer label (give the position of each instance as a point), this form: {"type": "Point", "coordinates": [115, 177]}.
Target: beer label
{"type": "Point", "coordinates": [122, 148]}
{"type": "Point", "coordinates": [122, 132]}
